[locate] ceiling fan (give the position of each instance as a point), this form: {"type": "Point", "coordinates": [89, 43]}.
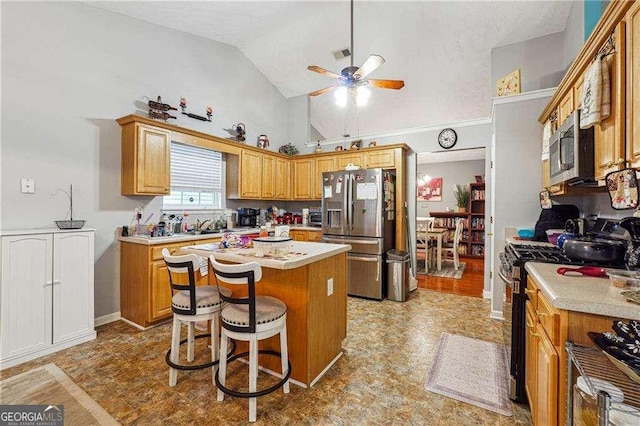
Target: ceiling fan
{"type": "Point", "coordinates": [353, 77]}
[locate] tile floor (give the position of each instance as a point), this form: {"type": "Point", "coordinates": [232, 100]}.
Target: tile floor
{"type": "Point", "coordinates": [378, 381]}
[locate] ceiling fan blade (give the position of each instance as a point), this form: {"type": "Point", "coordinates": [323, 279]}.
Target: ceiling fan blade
{"type": "Point", "coordinates": [369, 66]}
{"type": "Point", "coordinates": [321, 70]}
{"type": "Point", "coordinates": [386, 84]}
{"type": "Point", "coordinates": [321, 91]}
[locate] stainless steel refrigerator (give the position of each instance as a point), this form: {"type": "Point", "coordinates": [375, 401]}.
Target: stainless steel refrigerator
{"type": "Point", "coordinates": [358, 208]}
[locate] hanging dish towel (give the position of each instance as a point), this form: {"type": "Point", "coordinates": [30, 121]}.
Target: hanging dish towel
{"type": "Point", "coordinates": [591, 96]}
{"type": "Point", "coordinates": [596, 95]}
{"type": "Point", "coordinates": [546, 135]}
{"type": "Point", "coordinates": [204, 265]}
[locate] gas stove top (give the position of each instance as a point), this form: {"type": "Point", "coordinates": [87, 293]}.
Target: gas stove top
{"type": "Point", "coordinates": [522, 253]}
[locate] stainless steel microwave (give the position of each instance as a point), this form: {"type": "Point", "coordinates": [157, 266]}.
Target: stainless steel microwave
{"type": "Point", "coordinates": [571, 157]}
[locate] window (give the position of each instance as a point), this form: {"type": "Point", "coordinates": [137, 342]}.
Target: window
{"type": "Point", "coordinates": [196, 179]}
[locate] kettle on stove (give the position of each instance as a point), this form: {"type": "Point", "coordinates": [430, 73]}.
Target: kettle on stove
{"type": "Point", "coordinates": [576, 226]}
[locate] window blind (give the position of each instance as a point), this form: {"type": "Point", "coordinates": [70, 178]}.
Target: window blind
{"type": "Point", "coordinates": [195, 169]}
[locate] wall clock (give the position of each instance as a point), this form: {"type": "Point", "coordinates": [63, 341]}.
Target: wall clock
{"type": "Point", "coordinates": [447, 138]}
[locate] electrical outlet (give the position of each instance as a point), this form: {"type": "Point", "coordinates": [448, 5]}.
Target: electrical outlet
{"type": "Point", "coordinates": [27, 186]}
{"type": "Point", "coordinates": [329, 286]}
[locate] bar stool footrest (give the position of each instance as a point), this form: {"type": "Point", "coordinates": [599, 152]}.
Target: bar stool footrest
{"type": "Point", "coordinates": [263, 392]}
{"type": "Point", "coordinates": [171, 364]}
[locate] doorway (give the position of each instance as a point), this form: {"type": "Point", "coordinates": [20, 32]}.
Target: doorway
{"type": "Point", "coordinates": [438, 177]}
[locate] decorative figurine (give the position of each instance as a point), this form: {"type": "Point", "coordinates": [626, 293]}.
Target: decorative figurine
{"type": "Point", "coordinates": [158, 110]}
{"type": "Point", "coordinates": [263, 142]}
{"type": "Point", "coordinates": [318, 147]}
{"type": "Point", "coordinates": [183, 106]}
{"type": "Point", "coordinates": [240, 130]}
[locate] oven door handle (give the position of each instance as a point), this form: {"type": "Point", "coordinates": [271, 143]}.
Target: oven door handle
{"type": "Point", "coordinates": [504, 278]}
{"type": "Point", "coordinates": [514, 284]}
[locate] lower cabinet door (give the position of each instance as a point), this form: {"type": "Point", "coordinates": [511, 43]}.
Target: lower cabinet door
{"type": "Point", "coordinates": [160, 297]}
{"type": "Point", "coordinates": [531, 348]}
{"type": "Point", "coordinates": [26, 309]}
{"type": "Point", "coordinates": [547, 381]}
{"type": "Point", "coordinates": [73, 312]}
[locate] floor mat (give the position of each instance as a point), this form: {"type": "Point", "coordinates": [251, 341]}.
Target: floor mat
{"type": "Point", "coordinates": [447, 271]}
{"type": "Point", "coordinates": [50, 386]}
{"type": "Point", "coordinates": [480, 380]}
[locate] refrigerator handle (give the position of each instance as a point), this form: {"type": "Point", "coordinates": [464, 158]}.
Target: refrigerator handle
{"type": "Point", "coordinates": [350, 201]}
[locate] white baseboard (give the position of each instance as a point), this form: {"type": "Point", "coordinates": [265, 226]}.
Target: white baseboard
{"type": "Point", "coordinates": [497, 315]}
{"type": "Point", "coordinates": [106, 319]}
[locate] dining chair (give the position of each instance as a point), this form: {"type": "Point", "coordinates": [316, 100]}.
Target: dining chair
{"type": "Point", "coordinates": [452, 247]}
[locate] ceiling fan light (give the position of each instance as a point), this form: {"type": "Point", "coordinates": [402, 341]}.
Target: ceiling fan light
{"type": "Point", "coordinates": [363, 95]}
{"type": "Point", "coordinates": [341, 96]}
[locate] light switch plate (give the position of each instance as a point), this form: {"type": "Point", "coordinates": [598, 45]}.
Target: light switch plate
{"type": "Point", "coordinates": [27, 186]}
{"type": "Point", "coordinates": [329, 286]}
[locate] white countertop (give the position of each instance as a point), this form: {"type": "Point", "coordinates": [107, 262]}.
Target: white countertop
{"type": "Point", "coordinates": [581, 293]}
{"type": "Point", "coordinates": [52, 230]}
{"type": "Point", "coordinates": [301, 253]}
{"type": "Point", "coordinates": [176, 238]}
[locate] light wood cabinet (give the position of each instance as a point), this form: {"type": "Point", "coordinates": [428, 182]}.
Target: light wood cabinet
{"type": "Point", "coordinates": [146, 160]}
{"type": "Point", "coordinates": [46, 294]}
{"type": "Point", "coordinates": [613, 141]}
{"type": "Point", "coordinates": [145, 294]}
{"type": "Point", "coordinates": [633, 86]}
{"type": "Point", "coordinates": [303, 178]}
{"type": "Point", "coordinates": [547, 330]}
{"type": "Point", "coordinates": [546, 370]}
{"type": "Point", "coordinates": [530, 385]}
{"type": "Point", "coordinates": [566, 107]}
{"type": "Point", "coordinates": [306, 235]}
{"type": "Point", "coordinates": [268, 187]}
{"type": "Point", "coordinates": [322, 164]}
{"type": "Point", "coordinates": [283, 179]}
{"type": "Point", "coordinates": [609, 136]}
{"type": "Point", "coordinates": [355, 158]}
{"type": "Point", "coordinates": [385, 159]}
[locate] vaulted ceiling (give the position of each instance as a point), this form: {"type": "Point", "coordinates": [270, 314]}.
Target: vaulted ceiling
{"type": "Point", "coordinates": [441, 49]}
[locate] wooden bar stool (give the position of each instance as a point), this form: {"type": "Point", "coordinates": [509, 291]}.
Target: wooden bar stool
{"type": "Point", "coordinates": [250, 319]}
{"type": "Point", "coordinates": [191, 304]}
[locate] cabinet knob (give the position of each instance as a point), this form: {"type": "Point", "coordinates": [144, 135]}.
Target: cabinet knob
{"type": "Point", "coordinates": [541, 314]}
{"type": "Point", "coordinates": [621, 161]}
{"type": "Point", "coordinates": [608, 164]}
{"type": "Point", "coordinates": [533, 334]}
{"type": "Point", "coordinates": [529, 291]}
{"type": "Point", "coordinates": [47, 283]}
{"type": "Point", "coordinates": [56, 282]}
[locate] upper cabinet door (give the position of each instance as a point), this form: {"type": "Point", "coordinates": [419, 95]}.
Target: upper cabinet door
{"type": "Point", "coordinates": [250, 174]}
{"type": "Point", "coordinates": [303, 172]}
{"type": "Point", "coordinates": [146, 160]}
{"type": "Point", "coordinates": [283, 179]}
{"type": "Point", "coordinates": [268, 177]}
{"type": "Point", "coordinates": [153, 161]}
{"type": "Point", "coordinates": [633, 86]}
{"type": "Point", "coordinates": [609, 135]}
{"type": "Point", "coordinates": [323, 164]}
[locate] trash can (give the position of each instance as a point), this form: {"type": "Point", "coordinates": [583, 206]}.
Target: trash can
{"type": "Point", "coordinates": [397, 275]}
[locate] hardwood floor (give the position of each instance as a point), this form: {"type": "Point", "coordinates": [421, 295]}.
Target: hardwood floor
{"type": "Point", "coordinates": [471, 283]}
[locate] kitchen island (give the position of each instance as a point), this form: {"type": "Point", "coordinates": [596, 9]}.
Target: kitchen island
{"type": "Point", "coordinates": [312, 281]}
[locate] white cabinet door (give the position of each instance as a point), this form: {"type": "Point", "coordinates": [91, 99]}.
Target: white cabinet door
{"type": "Point", "coordinates": [26, 293]}
{"type": "Point", "coordinates": [73, 303]}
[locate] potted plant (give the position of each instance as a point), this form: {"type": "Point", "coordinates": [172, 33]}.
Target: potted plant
{"type": "Point", "coordinates": [462, 197]}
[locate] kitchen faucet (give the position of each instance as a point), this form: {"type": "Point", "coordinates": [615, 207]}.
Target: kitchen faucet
{"type": "Point", "coordinates": [200, 225]}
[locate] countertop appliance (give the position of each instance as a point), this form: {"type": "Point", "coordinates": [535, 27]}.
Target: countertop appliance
{"type": "Point", "coordinates": [248, 217]}
{"type": "Point", "coordinates": [358, 209]}
{"type": "Point", "coordinates": [513, 273]}
{"type": "Point", "coordinates": [571, 152]}
{"type": "Point", "coordinates": [315, 217]}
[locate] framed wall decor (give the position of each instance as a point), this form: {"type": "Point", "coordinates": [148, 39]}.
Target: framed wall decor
{"type": "Point", "coordinates": [509, 84]}
{"type": "Point", "coordinates": [430, 191]}
{"type": "Point", "coordinates": [356, 144]}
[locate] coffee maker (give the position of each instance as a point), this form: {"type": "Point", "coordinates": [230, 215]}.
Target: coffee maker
{"type": "Point", "coordinates": [248, 217]}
